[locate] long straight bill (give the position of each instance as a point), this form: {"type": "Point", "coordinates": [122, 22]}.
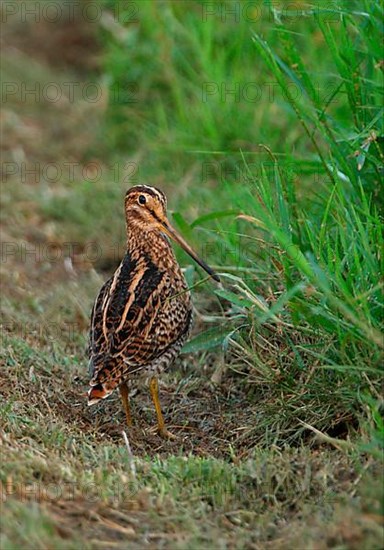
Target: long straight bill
{"type": "Point", "coordinates": [171, 232]}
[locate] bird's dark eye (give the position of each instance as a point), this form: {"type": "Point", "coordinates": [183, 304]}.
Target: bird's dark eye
{"type": "Point", "coordinates": [142, 199]}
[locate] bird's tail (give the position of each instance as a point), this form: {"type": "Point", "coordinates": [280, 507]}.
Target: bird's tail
{"type": "Point", "coordinates": [105, 377]}
{"type": "Point", "coordinates": [96, 393]}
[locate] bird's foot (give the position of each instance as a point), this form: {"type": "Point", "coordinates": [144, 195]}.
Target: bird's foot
{"type": "Point", "coordinates": [163, 432]}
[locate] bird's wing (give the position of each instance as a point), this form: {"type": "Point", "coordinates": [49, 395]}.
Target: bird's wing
{"type": "Point", "coordinates": [97, 345]}
{"type": "Point", "coordinates": [136, 317]}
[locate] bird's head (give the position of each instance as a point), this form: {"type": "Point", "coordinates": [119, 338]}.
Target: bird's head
{"type": "Point", "coordinates": [146, 210]}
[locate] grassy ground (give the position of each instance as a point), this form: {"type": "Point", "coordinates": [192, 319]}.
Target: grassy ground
{"type": "Point", "coordinates": [277, 400]}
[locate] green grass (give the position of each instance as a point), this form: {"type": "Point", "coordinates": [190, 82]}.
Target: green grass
{"type": "Point", "coordinates": [296, 223]}
{"type": "Point", "coordinates": [278, 395]}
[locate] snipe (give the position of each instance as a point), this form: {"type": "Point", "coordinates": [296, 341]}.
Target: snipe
{"type": "Point", "coordinates": [142, 315]}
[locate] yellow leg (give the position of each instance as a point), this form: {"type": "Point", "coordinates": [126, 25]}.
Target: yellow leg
{"type": "Point", "coordinates": [124, 397]}
{"type": "Point", "coordinates": [154, 389]}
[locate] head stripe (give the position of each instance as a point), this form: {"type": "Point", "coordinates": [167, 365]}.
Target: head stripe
{"type": "Point", "coordinates": [153, 191]}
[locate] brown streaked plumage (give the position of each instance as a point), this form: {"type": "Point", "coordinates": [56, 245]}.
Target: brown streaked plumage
{"type": "Point", "coordinates": [142, 315]}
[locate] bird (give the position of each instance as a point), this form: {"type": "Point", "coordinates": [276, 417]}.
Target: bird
{"type": "Point", "coordinates": [142, 315]}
